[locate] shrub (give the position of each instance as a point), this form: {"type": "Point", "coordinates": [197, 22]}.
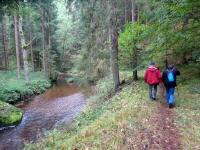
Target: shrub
{"type": "Point", "coordinates": [13, 89]}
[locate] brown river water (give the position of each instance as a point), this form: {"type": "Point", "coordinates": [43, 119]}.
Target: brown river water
{"type": "Point", "coordinates": [57, 106]}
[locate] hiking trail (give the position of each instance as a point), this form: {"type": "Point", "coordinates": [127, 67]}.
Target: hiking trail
{"type": "Point", "coordinates": [160, 132]}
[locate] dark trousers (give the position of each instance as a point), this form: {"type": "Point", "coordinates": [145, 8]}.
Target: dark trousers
{"type": "Point", "coordinates": [152, 91]}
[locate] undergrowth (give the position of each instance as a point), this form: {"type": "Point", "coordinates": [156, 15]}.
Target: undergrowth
{"type": "Point", "coordinates": [188, 104]}
{"type": "Point", "coordinates": [13, 89]}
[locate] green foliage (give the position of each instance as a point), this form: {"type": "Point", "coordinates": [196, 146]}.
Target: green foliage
{"type": "Point", "coordinates": [77, 79]}
{"type": "Point", "coordinates": [12, 89]}
{"type": "Point", "coordinates": [188, 103]}
{"type": "Point", "coordinates": [104, 86]}
{"type": "Point", "coordinates": [174, 35]}
{"type": "Point", "coordinates": [129, 42]}
{"type": "Point", "coordinates": [9, 115]}
{"type": "Point", "coordinates": [133, 33]}
{"type": "Point", "coordinates": [98, 103]}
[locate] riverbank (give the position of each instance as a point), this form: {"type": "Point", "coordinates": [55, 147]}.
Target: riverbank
{"type": "Point", "coordinates": [13, 90]}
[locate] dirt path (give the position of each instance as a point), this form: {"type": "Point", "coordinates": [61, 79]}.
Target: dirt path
{"type": "Point", "coordinates": [160, 133]}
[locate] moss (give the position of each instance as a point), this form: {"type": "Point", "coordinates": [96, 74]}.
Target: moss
{"type": "Point", "coordinates": [9, 115]}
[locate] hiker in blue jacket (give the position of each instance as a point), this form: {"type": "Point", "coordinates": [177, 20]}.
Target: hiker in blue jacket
{"type": "Point", "coordinates": [169, 80]}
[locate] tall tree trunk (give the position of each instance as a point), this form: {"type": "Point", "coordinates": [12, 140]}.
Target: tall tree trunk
{"type": "Point", "coordinates": [17, 46]}
{"type": "Point", "coordinates": [49, 40]}
{"type": "Point", "coordinates": [5, 42]}
{"type": "Point", "coordinates": [114, 59]}
{"type": "Point", "coordinates": [114, 47]}
{"type": "Point", "coordinates": [32, 57]}
{"type": "Point", "coordinates": [43, 43]}
{"type": "Point", "coordinates": [166, 60]}
{"type": "Point", "coordinates": [134, 19]}
{"type": "Point", "coordinates": [134, 11]}
{"type": "Point", "coordinates": [125, 11]}
{"type": "Point", "coordinates": [137, 13]}
{"type": "Point", "coordinates": [20, 47]}
{"type": "Point", "coordinates": [23, 47]}
{"type": "Point", "coordinates": [135, 76]}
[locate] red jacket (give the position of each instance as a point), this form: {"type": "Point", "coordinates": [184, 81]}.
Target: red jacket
{"type": "Point", "coordinates": [152, 75]}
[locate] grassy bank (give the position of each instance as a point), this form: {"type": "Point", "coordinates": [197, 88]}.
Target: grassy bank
{"type": "Point", "coordinates": [188, 107]}
{"type": "Point", "coordinates": [13, 89]}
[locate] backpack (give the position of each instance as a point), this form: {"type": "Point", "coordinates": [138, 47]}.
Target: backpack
{"type": "Point", "coordinates": [170, 75]}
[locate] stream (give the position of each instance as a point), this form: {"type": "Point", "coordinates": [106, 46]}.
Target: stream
{"type": "Point", "coordinates": [57, 106]}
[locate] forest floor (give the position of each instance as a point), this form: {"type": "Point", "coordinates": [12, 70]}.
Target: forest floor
{"type": "Point", "coordinates": [129, 120]}
{"type": "Point", "coordinates": [160, 133]}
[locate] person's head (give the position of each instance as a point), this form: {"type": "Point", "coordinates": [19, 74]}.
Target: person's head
{"type": "Point", "coordinates": [171, 66]}
{"type": "Point", "coordinates": [152, 63]}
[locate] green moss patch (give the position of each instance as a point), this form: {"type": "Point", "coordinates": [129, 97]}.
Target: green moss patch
{"type": "Point", "coordinates": [9, 115]}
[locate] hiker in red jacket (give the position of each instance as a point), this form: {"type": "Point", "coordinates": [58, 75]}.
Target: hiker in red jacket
{"type": "Point", "coordinates": [152, 77]}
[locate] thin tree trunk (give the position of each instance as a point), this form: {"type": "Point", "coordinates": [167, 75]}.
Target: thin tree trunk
{"type": "Point", "coordinates": [17, 46]}
{"type": "Point", "coordinates": [43, 43]}
{"type": "Point", "coordinates": [32, 57]}
{"type": "Point", "coordinates": [20, 47]}
{"type": "Point", "coordinates": [23, 47]}
{"type": "Point", "coordinates": [137, 13]}
{"type": "Point", "coordinates": [114, 59]}
{"type": "Point", "coordinates": [134, 10]}
{"type": "Point", "coordinates": [5, 43]}
{"type": "Point", "coordinates": [135, 76]}
{"type": "Point", "coordinates": [49, 40]}
{"type": "Point", "coordinates": [146, 21]}
{"type": "Point", "coordinates": [125, 11]}
{"type": "Point", "coordinates": [134, 19]}
{"type": "Point", "coordinates": [166, 60]}
{"type": "Point", "coordinates": [114, 47]}
{"type": "Point", "coordinates": [10, 44]}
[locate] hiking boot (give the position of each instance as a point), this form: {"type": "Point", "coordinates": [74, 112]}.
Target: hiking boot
{"type": "Point", "coordinates": [170, 105]}
{"type": "Point", "coordinates": [154, 98]}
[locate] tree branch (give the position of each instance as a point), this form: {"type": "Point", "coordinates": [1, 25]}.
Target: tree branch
{"type": "Point", "coordinates": [29, 43]}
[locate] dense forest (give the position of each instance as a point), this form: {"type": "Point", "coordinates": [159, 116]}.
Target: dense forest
{"type": "Point", "coordinates": [106, 45]}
